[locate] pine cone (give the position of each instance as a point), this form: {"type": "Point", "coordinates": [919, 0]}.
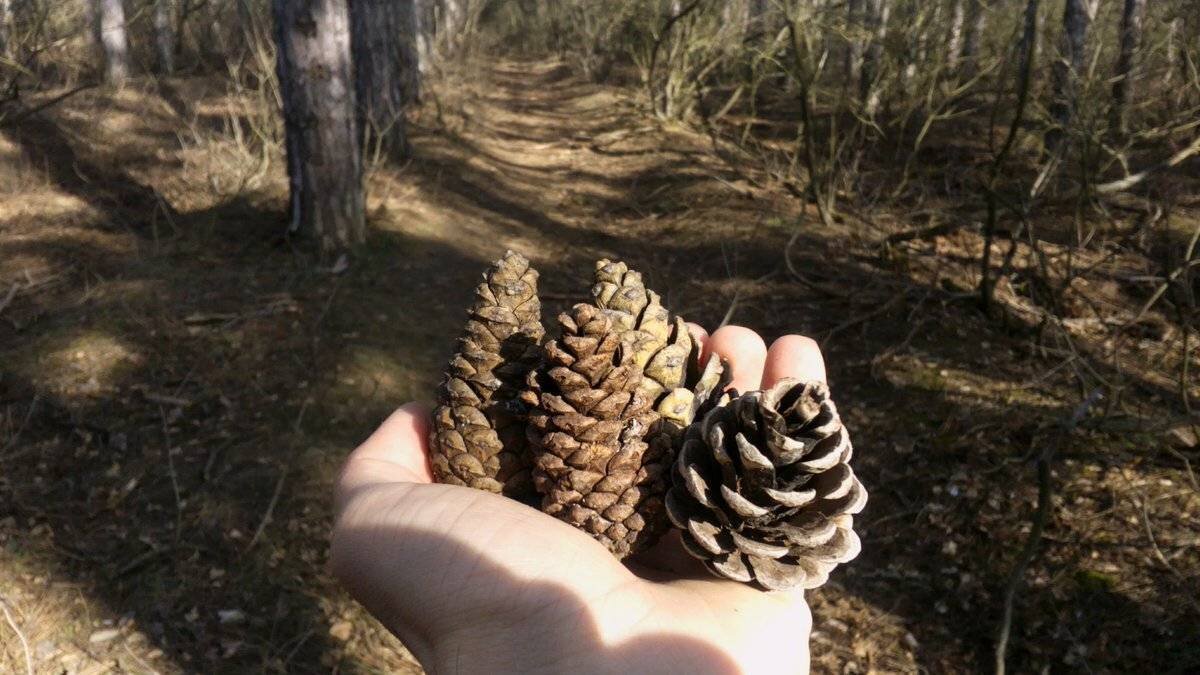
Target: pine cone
{"type": "Point", "coordinates": [661, 346]}
{"type": "Point", "coordinates": [588, 415]}
{"type": "Point", "coordinates": [763, 491]}
{"type": "Point", "coordinates": [478, 437]}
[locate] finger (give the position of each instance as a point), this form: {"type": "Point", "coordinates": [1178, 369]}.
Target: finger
{"type": "Point", "coordinates": [794, 356]}
{"type": "Point", "coordinates": [396, 453]}
{"type": "Point", "coordinates": [745, 352]}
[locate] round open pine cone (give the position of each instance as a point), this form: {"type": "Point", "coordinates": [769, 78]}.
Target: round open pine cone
{"type": "Point", "coordinates": [763, 491]}
{"type": "Point", "coordinates": [588, 416]}
{"type": "Point", "coordinates": [478, 434]}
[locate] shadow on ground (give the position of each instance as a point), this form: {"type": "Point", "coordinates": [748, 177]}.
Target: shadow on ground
{"type": "Point", "coordinates": [184, 399]}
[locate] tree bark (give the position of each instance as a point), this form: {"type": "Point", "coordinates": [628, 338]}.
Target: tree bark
{"type": "Point", "coordinates": [322, 140]}
{"type": "Point", "coordinates": [976, 24]}
{"type": "Point", "coordinates": [954, 40]}
{"type": "Point", "coordinates": [422, 23]}
{"type": "Point", "coordinates": [876, 20]}
{"type": "Point", "coordinates": [1077, 17]}
{"type": "Point", "coordinates": [115, 41]}
{"type": "Point", "coordinates": [1124, 87]}
{"type": "Point", "coordinates": [853, 57]}
{"type": "Point", "coordinates": [164, 36]}
{"type": "Point", "coordinates": [1173, 60]}
{"type": "Point", "coordinates": [6, 29]}
{"type": "Point", "coordinates": [385, 70]}
{"type": "Point", "coordinates": [453, 21]}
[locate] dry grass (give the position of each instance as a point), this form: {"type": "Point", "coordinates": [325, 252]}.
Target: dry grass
{"type": "Point", "coordinates": [173, 371]}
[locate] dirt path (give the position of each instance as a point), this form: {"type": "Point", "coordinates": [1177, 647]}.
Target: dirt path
{"type": "Point", "coordinates": [183, 385]}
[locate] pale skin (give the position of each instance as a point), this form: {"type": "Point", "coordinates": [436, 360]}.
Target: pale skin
{"type": "Point", "coordinates": [474, 582]}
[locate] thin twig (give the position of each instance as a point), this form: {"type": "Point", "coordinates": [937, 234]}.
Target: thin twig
{"type": "Point", "coordinates": [12, 442]}
{"type": "Point", "coordinates": [171, 472]}
{"type": "Point", "coordinates": [20, 635]}
{"type": "Point", "coordinates": [12, 293]}
{"type": "Point", "coordinates": [266, 518]}
{"type": "Point", "coordinates": [1029, 551]}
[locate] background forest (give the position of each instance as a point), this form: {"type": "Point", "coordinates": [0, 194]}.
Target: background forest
{"type": "Point", "coordinates": [235, 234]}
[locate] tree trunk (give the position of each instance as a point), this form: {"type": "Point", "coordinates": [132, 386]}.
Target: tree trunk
{"type": "Point", "coordinates": [316, 82]}
{"type": "Point", "coordinates": [853, 57]}
{"type": "Point", "coordinates": [1124, 87]}
{"type": "Point", "coordinates": [385, 70]}
{"type": "Point", "coordinates": [976, 24]}
{"type": "Point", "coordinates": [756, 13]}
{"type": "Point", "coordinates": [1173, 60]}
{"type": "Point", "coordinates": [115, 41]}
{"type": "Point", "coordinates": [164, 36]}
{"type": "Point", "coordinates": [1077, 16]}
{"type": "Point", "coordinates": [454, 19]}
{"type": "Point", "coordinates": [6, 29]}
{"type": "Point", "coordinates": [422, 22]}
{"type": "Point", "coordinates": [876, 21]}
{"type": "Point", "coordinates": [954, 40]}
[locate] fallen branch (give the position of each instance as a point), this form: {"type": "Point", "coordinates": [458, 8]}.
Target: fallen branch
{"type": "Point", "coordinates": [25, 114]}
{"type": "Point", "coordinates": [1133, 180]}
{"type": "Point", "coordinates": [1029, 551]}
{"type": "Point", "coordinates": [931, 231]}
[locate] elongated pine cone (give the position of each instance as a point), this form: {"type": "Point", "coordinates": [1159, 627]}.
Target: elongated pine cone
{"type": "Point", "coordinates": [588, 415]}
{"type": "Point", "coordinates": [763, 491]}
{"type": "Point", "coordinates": [661, 347]}
{"type": "Point", "coordinates": [478, 435]}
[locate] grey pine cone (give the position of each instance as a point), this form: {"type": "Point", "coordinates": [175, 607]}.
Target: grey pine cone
{"type": "Point", "coordinates": [763, 491]}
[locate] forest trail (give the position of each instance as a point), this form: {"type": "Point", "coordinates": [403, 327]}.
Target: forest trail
{"type": "Point", "coordinates": [170, 505]}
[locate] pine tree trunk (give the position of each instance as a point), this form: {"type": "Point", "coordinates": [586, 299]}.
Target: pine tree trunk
{"type": "Point", "coordinates": [322, 140]}
{"type": "Point", "coordinates": [1077, 17]}
{"type": "Point", "coordinates": [115, 41]}
{"type": "Point", "coordinates": [164, 36]}
{"type": "Point", "coordinates": [1125, 85]}
{"type": "Point", "coordinates": [385, 70]}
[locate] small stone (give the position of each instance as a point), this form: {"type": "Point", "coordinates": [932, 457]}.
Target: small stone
{"type": "Point", "coordinates": [230, 616]}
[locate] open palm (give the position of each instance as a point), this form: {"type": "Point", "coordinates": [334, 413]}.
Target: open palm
{"type": "Point", "coordinates": [475, 582]}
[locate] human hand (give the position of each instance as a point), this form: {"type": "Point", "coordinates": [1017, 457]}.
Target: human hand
{"type": "Point", "coordinates": [474, 582]}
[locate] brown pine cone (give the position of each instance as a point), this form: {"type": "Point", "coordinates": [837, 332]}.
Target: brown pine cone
{"type": "Point", "coordinates": [763, 491]}
{"type": "Point", "coordinates": [588, 415]}
{"type": "Point", "coordinates": [661, 346]}
{"type": "Point", "coordinates": [478, 437]}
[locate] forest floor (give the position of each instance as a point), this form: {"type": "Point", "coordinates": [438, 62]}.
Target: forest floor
{"type": "Point", "coordinates": [178, 385]}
